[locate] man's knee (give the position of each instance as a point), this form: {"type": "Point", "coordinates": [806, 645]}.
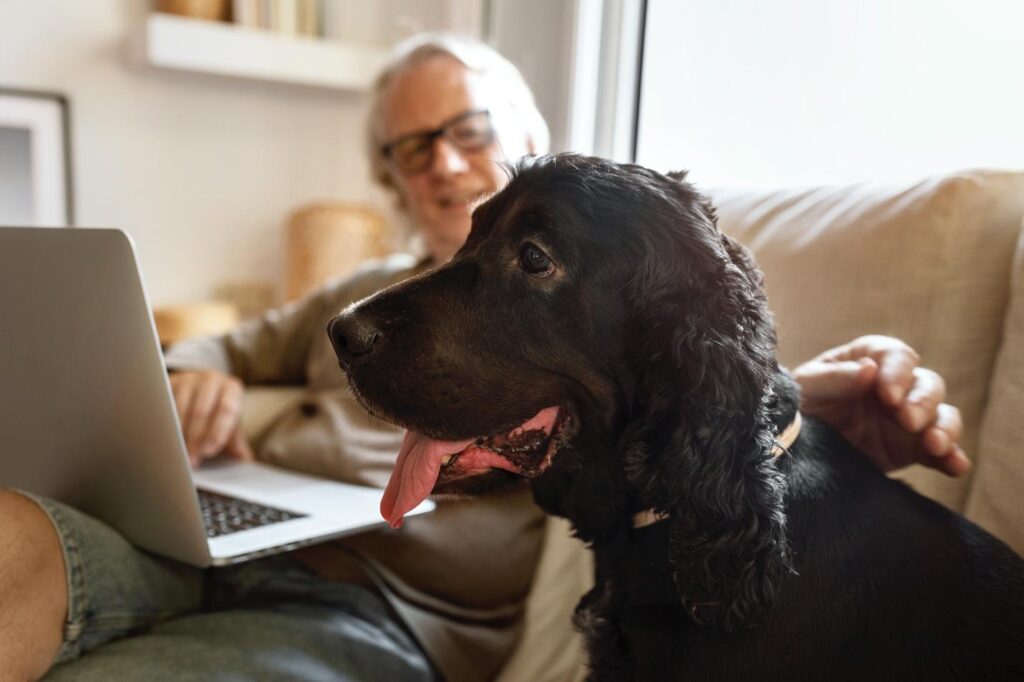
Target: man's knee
{"type": "Point", "coordinates": [33, 588]}
{"type": "Point", "coordinates": [27, 537]}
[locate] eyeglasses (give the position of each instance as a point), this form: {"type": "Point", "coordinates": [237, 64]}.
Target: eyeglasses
{"type": "Point", "coordinates": [414, 153]}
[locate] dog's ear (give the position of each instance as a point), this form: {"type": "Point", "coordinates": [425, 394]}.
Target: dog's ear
{"type": "Point", "coordinates": [700, 449]}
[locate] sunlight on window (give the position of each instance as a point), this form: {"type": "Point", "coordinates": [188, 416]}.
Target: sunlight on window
{"type": "Point", "coordinates": [810, 91]}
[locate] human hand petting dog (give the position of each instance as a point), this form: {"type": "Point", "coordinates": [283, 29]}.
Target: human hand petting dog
{"type": "Point", "coordinates": [874, 392]}
{"type": "Point", "coordinates": [209, 405]}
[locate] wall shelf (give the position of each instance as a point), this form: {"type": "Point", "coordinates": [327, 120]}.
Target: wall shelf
{"type": "Point", "coordinates": [183, 44]}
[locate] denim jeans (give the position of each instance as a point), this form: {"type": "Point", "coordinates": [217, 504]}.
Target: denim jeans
{"type": "Point", "coordinates": [133, 615]}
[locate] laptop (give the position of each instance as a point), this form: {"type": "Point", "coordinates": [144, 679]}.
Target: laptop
{"type": "Point", "coordinates": [87, 415]}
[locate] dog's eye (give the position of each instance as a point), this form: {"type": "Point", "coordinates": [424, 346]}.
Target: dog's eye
{"type": "Point", "coordinates": [535, 262]}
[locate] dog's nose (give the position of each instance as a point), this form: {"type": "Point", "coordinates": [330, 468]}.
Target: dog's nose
{"type": "Point", "coordinates": [352, 336]}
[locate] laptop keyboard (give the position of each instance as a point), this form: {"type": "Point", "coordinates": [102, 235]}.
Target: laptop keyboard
{"type": "Point", "coordinates": [223, 515]}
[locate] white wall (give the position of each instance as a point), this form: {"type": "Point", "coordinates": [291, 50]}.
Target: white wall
{"type": "Point", "coordinates": [537, 36]}
{"type": "Point", "coordinates": [808, 91]}
{"type": "Point", "coordinates": [16, 176]}
{"type": "Point", "coordinates": [201, 170]}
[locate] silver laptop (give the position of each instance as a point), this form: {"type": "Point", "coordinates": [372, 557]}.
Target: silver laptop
{"type": "Point", "coordinates": [87, 416]}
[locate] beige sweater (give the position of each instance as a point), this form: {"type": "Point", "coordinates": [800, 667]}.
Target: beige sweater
{"type": "Point", "coordinates": [458, 576]}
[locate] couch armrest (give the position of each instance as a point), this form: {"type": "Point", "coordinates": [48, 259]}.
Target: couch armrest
{"type": "Point", "coordinates": [928, 262]}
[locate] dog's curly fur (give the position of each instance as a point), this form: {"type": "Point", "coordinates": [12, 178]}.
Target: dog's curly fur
{"type": "Point", "coordinates": [703, 397]}
{"type": "Point", "coordinates": [654, 329]}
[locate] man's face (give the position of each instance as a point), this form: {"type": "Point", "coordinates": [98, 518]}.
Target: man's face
{"type": "Point", "coordinates": [440, 197]}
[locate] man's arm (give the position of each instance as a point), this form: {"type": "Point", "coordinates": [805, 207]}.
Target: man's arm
{"type": "Point", "coordinates": [208, 375]}
{"type": "Point", "coordinates": [271, 349]}
{"type": "Point", "coordinates": [876, 394]}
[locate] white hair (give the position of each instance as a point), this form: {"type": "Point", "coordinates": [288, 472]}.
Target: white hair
{"type": "Point", "coordinates": [477, 57]}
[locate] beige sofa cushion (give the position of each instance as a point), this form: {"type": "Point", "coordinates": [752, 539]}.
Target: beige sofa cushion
{"type": "Point", "coordinates": [996, 496]}
{"type": "Point", "coordinates": [927, 262]}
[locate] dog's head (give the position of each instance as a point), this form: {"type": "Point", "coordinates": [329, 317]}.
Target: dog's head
{"type": "Point", "coordinates": [596, 333]}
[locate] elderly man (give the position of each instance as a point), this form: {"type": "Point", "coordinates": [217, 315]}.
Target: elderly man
{"type": "Point", "coordinates": [443, 597]}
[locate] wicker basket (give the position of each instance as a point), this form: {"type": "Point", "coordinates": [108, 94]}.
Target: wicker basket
{"type": "Point", "coordinates": [177, 322]}
{"type": "Point", "coordinates": [326, 241]}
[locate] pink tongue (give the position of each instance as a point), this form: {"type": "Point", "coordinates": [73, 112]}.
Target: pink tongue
{"type": "Point", "coordinates": [419, 464]}
{"type": "Point", "coordinates": [416, 471]}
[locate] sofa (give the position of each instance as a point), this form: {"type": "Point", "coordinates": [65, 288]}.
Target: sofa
{"type": "Point", "coordinates": [937, 262]}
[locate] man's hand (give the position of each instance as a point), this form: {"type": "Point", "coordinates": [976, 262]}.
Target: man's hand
{"type": "Point", "coordinates": [873, 391]}
{"type": "Point", "coordinates": [210, 406]}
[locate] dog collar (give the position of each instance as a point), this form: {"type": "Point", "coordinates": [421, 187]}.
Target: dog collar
{"type": "Point", "coordinates": [781, 446]}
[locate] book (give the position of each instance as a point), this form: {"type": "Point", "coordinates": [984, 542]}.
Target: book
{"type": "Point", "coordinates": [308, 17]}
{"type": "Point", "coordinates": [284, 16]}
{"type": "Point", "coordinates": [246, 12]}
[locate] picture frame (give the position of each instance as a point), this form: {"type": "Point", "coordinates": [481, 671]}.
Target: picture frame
{"type": "Point", "coordinates": [35, 159]}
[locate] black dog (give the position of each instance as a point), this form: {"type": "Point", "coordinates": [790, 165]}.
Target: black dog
{"type": "Point", "coordinates": [598, 335]}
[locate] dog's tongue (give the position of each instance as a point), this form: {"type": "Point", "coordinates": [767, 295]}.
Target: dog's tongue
{"type": "Point", "coordinates": [419, 464]}
{"type": "Point", "coordinates": [416, 471]}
